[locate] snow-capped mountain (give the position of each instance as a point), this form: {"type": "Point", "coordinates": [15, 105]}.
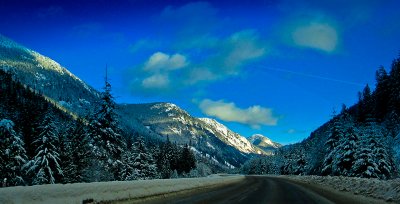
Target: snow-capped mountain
{"type": "Point", "coordinates": [46, 76]}
{"type": "Point", "coordinates": [263, 142]}
{"type": "Point", "coordinates": [153, 120]}
{"type": "Point", "coordinates": [166, 119]}
{"type": "Point", "coordinates": [231, 138]}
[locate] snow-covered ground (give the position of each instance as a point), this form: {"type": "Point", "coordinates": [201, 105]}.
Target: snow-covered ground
{"type": "Point", "coordinates": [388, 190]}
{"type": "Point", "coordinates": [108, 191]}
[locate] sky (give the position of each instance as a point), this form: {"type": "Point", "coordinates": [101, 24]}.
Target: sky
{"type": "Point", "coordinates": [277, 68]}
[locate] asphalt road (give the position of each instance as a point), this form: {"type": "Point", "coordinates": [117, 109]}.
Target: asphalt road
{"type": "Point", "coordinates": [262, 189]}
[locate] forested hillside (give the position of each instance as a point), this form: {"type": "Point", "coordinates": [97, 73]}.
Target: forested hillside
{"type": "Point", "coordinates": [41, 143]}
{"type": "Point", "coordinates": [361, 141]}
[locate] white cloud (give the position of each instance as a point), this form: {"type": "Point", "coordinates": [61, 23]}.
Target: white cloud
{"type": "Point", "coordinates": [229, 56]}
{"type": "Point", "coordinates": [317, 35]}
{"type": "Point", "coordinates": [156, 81]}
{"type": "Point", "coordinates": [226, 58]}
{"type": "Point", "coordinates": [161, 61]}
{"type": "Point", "coordinates": [255, 116]}
{"type": "Point", "coordinates": [243, 46]}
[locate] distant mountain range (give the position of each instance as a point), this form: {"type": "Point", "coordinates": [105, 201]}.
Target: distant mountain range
{"type": "Point", "coordinates": [156, 121]}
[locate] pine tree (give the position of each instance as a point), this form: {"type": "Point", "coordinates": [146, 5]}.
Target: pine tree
{"type": "Point", "coordinates": [394, 86]}
{"type": "Point", "coordinates": [382, 93]}
{"type": "Point", "coordinates": [365, 104]}
{"type": "Point", "coordinates": [143, 160]}
{"type": "Point", "coordinates": [384, 160]}
{"type": "Point", "coordinates": [12, 155]}
{"type": "Point", "coordinates": [187, 160]}
{"type": "Point", "coordinates": [106, 134]}
{"type": "Point", "coordinates": [331, 146]}
{"type": "Point", "coordinates": [128, 172]}
{"type": "Point", "coordinates": [66, 163]}
{"type": "Point", "coordinates": [45, 165]}
{"type": "Point", "coordinates": [367, 162]}
{"type": "Point", "coordinates": [345, 157]}
{"type": "Point", "coordinates": [365, 166]}
{"type": "Point", "coordinates": [77, 153]}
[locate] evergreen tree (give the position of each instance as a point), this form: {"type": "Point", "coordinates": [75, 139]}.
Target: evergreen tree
{"type": "Point", "coordinates": [331, 145]}
{"type": "Point", "coordinates": [45, 165]}
{"type": "Point", "coordinates": [383, 160]}
{"type": "Point", "coordinates": [106, 134]}
{"type": "Point", "coordinates": [12, 155]}
{"type": "Point", "coordinates": [365, 104]}
{"type": "Point", "coordinates": [128, 172]}
{"type": "Point", "coordinates": [77, 153]}
{"type": "Point", "coordinates": [345, 159]}
{"type": "Point", "coordinates": [372, 160]}
{"type": "Point", "coordinates": [164, 159]}
{"type": "Point", "coordinates": [187, 160]}
{"type": "Point", "coordinates": [143, 162]}
{"type": "Point", "coordinates": [66, 163]}
{"type": "Point", "coordinates": [382, 93]}
{"type": "Point", "coordinates": [365, 166]}
{"type": "Point", "coordinates": [394, 86]}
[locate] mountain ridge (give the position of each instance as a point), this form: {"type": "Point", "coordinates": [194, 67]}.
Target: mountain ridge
{"type": "Point", "coordinates": [157, 121]}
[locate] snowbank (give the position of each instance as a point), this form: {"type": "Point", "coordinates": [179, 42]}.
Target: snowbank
{"type": "Point", "coordinates": [108, 191]}
{"type": "Point", "coordinates": [388, 190]}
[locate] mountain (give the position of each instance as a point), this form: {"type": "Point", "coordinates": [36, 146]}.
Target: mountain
{"type": "Point", "coordinates": [361, 141]}
{"type": "Point", "coordinates": [231, 138]}
{"type": "Point", "coordinates": [46, 76]}
{"type": "Point", "coordinates": [264, 143]}
{"type": "Point", "coordinates": [207, 136]}
{"type": "Point", "coordinates": [155, 121]}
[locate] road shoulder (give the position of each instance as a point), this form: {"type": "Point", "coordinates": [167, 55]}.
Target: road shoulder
{"type": "Point", "coordinates": [332, 194]}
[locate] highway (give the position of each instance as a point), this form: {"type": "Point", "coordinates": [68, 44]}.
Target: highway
{"type": "Point", "coordinates": [263, 189]}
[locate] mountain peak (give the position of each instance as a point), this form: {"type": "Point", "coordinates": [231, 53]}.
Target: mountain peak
{"type": "Point", "coordinates": [263, 142]}
{"type": "Point", "coordinates": [231, 138]}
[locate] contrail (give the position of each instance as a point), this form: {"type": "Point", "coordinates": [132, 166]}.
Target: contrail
{"type": "Point", "coordinates": [312, 76]}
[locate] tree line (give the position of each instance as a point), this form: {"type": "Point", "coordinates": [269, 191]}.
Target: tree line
{"type": "Point", "coordinates": [361, 141]}
{"type": "Point", "coordinates": [42, 144]}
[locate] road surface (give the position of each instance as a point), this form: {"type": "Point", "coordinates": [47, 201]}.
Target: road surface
{"type": "Point", "coordinates": [262, 189]}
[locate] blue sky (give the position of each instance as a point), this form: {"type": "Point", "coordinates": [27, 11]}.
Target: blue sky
{"type": "Point", "coordinates": [277, 68]}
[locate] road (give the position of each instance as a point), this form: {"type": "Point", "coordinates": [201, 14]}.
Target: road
{"type": "Point", "coordinates": [262, 189]}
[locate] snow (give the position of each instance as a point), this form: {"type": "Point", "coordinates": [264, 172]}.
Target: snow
{"type": "Point", "coordinates": [265, 141]}
{"type": "Point", "coordinates": [42, 61]}
{"type": "Point", "coordinates": [108, 191]}
{"type": "Point", "coordinates": [7, 124]}
{"type": "Point", "coordinates": [231, 138]}
{"type": "Point", "coordinates": [176, 130]}
{"type": "Point", "coordinates": [209, 145]}
{"type": "Point", "coordinates": [388, 190]}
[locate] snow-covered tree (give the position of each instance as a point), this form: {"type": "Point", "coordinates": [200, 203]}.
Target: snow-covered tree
{"type": "Point", "coordinates": [365, 165]}
{"type": "Point", "coordinates": [344, 159]}
{"type": "Point", "coordinates": [106, 133]}
{"type": "Point", "coordinates": [143, 162]}
{"type": "Point", "coordinates": [372, 160]}
{"type": "Point", "coordinates": [45, 165]}
{"type": "Point", "coordinates": [77, 153]}
{"type": "Point", "coordinates": [165, 159]}
{"type": "Point", "coordinates": [331, 145]}
{"type": "Point", "coordinates": [127, 171]}
{"type": "Point", "coordinates": [12, 155]}
{"type": "Point", "coordinates": [66, 163]}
